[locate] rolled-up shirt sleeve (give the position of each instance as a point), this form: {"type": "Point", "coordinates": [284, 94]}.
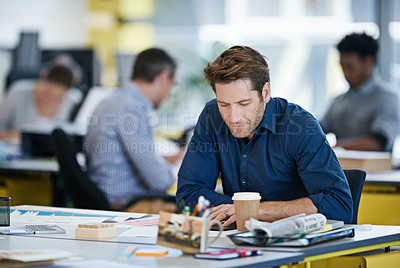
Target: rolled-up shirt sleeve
{"type": "Point", "coordinates": [386, 120]}
{"type": "Point", "coordinates": [201, 166]}
{"type": "Point", "coordinates": [319, 169]}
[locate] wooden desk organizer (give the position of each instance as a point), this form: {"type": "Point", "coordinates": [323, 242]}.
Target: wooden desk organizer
{"type": "Point", "coordinates": [96, 231]}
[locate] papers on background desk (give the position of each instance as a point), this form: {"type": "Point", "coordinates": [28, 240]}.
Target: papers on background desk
{"type": "Point", "coordinates": [46, 216]}
{"type": "Point", "coordinates": [149, 231]}
{"type": "Point", "coordinates": [36, 217]}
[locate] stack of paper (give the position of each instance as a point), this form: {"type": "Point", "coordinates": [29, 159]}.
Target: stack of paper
{"type": "Point", "coordinates": [368, 161]}
{"type": "Point", "coordinates": [10, 258]}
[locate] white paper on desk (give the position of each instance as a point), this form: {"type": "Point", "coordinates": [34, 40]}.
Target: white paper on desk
{"type": "Point", "coordinates": [30, 255]}
{"type": "Point", "coordinates": [122, 219]}
{"type": "Point", "coordinates": [94, 263]}
{"type": "Point", "coordinates": [362, 154]}
{"type": "Point", "coordinates": [32, 218]}
{"type": "Point", "coordinates": [148, 231]}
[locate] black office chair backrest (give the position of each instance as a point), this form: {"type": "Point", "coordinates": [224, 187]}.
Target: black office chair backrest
{"type": "Point", "coordinates": [355, 178]}
{"type": "Point", "coordinates": [83, 192]}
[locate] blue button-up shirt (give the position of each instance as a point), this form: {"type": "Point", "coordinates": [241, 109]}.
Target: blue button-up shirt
{"type": "Point", "coordinates": [287, 158]}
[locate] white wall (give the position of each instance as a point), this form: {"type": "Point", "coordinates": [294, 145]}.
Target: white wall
{"type": "Point", "coordinates": [61, 23]}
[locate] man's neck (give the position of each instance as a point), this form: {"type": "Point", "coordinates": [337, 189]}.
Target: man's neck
{"type": "Point", "coordinates": [146, 88]}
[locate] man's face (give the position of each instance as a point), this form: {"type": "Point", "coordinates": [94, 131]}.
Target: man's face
{"type": "Point", "coordinates": [355, 69]}
{"type": "Point", "coordinates": [241, 106]}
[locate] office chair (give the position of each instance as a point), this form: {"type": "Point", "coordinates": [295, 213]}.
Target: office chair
{"type": "Point", "coordinates": [355, 178]}
{"type": "Point", "coordinates": [83, 192]}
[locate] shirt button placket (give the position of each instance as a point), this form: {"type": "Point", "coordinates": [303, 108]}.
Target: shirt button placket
{"type": "Point", "coordinates": [244, 169]}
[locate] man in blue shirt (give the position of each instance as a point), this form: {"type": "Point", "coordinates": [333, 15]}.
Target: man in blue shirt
{"type": "Point", "coordinates": [260, 144]}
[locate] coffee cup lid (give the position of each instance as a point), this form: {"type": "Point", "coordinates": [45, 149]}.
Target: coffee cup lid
{"type": "Point", "coordinates": [246, 196]}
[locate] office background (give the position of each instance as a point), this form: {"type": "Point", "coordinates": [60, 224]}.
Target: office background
{"type": "Point", "coordinates": [297, 36]}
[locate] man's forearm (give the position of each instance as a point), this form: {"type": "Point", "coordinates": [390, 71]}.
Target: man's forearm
{"type": "Point", "coordinates": [275, 210]}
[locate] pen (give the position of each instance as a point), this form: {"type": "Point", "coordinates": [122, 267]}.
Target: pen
{"type": "Point", "coordinates": [127, 253]}
{"type": "Point", "coordinates": [186, 211]}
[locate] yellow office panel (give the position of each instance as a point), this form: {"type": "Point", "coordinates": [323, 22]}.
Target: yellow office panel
{"type": "Point", "coordinates": [387, 260]}
{"type": "Point", "coordinates": [29, 190]}
{"type": "Point", "coordinates": [136, 9]}
{"type": "Point", "coordinates": [105, 43]}
{"type": "Point", "coordinates": [3, 191]}
{"type": "Point", "coordinates": [134, 37]}
{"type": "Point", "coordinates": [379, 208]}
{"type": "Point", "coordinates": [104, 5]}
{"type": "Point", "coordinates": [342, 262]}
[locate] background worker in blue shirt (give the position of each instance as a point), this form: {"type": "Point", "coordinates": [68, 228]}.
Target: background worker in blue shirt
{"type": "Point", "coordinates": [260, 144]}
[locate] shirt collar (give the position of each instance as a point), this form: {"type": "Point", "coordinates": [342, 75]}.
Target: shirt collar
{"type": "Point", "coordinates": [367, 87]}
{"type": "Point", "coordinates": [270, 116]}
{"type": "Point", "coordinates": [268, 121]}
{"type": "Point", "coordinates": [139, 95]}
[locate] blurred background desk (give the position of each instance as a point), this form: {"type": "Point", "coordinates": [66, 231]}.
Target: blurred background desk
{"type": "Point", "coordinates": [380, 198]}
{"type": "Point", "coordinates": [32, 181]}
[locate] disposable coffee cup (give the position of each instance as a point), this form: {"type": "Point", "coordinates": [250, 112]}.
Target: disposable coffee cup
{"type": "Point", "coordinates": [5, 211]}
{"type": "Point", "coordinates": [246, 205]}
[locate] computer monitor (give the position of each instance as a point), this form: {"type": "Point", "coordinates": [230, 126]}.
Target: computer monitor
{"type": "Point", "coordinates": [86, 58]}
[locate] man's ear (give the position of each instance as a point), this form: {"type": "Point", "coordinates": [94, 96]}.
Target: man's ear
{"type": "Point", "coordinates": [162, 77]}
{"type": "Point", "coordinates": [266, 92]}
{"type": "Point", "coordinates": [369, 61]}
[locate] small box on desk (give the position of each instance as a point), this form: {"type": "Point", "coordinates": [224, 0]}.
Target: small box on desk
{"type": "Point", "coordinates": [368, 161]}
{"type": "Point", "coordinates": [96, 231]}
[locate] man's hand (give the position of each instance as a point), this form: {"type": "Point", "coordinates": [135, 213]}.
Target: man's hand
{"type": "Point", "coordinates": [225, 212]}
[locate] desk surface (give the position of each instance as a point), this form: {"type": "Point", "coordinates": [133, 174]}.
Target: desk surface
{"type": "Point", "coordinates": [30, 165]}
{"type": "Point", "coordinates": [391, 177]}
{"type": "Point", "coordinates": [108, 249]}
{"type": "Point", "coordinates": [98, 250]}
{"type": "Point", "coordinates": [378, 234]}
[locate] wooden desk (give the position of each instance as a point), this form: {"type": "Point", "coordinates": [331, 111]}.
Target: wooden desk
{"type": "Point", "coordinates": [381, 194]}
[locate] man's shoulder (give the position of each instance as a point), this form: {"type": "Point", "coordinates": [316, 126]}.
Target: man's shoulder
{"type": "Point", "coordinates": [386, 91]}
{"type": "Point", "coordinates": [288, 109]}
{"type": "Point", "coordinates": [212, 104]}
{"type": "Point", "coordinates": [211, 108]}
{"type": "Point", "coordinates": [117, 102]}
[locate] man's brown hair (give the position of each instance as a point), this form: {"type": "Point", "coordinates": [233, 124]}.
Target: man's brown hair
{"type": "Point", "coordinates": [238, 62]}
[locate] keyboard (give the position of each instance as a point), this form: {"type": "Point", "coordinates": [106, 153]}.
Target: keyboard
{"type": "Point", "coordinates": [44, 229]}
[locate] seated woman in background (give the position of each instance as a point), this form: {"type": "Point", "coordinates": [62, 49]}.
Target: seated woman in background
{"type": "Point", "coordinates": [48, 100]}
